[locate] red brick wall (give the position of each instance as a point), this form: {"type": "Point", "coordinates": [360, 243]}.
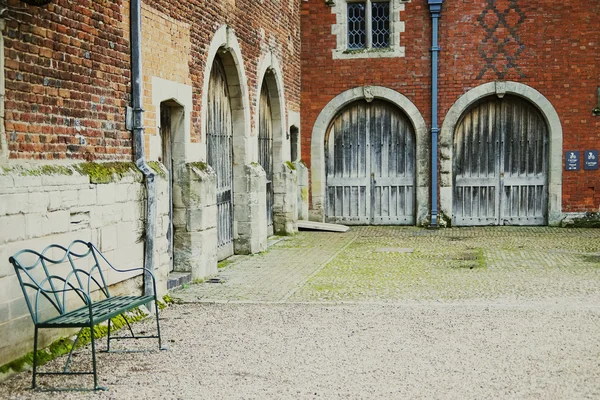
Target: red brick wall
{"type": "Point", "coordinates": [557, 53]}
{"type": "Point", "coordinates": [67, 80]}
{"type": "Point", "coordinates": [68, 76]}
{"type": "Point", "coordinates": [279, 19]}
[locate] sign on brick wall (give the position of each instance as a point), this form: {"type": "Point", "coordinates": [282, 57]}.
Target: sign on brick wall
{"type": "Point", "coordinates": [590, 160]}
{"type": "Point", "coordinates": [572, 161]}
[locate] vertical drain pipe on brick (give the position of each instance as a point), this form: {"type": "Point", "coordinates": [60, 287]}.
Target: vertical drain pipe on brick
{"type": "Point", "coordinates": [138, 137]}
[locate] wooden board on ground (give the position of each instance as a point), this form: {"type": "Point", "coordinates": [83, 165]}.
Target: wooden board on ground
{"type": "Point", "coordinates": [322, 226]}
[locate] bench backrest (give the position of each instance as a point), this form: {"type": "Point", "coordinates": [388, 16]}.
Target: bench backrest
{"type": "Point", "coordinates": [49, 279]}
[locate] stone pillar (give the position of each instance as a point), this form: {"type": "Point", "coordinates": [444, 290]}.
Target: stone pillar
{"type": "Point", "coordinates": [250, 210]}
{"type": "Point", "coordinates": [302, 174]}
{"type": "Point", "coordinates": [195, 220]}
{"type": "Point", "coordinates": [285, 186]}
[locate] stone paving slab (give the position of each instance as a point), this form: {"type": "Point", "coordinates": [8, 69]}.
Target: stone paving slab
{"type": "Point", "coordinates": [271, 276]}
{"type": "Point", "coordinates": [466, 264]}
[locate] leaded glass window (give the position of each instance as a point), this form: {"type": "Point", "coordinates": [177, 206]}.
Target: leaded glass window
{"type": "Point", "coordinates": [357, 34]}
{"type": "Point", "coordinates": [368, 24]}
{"type": "Point", "coordinates": [380, 25]}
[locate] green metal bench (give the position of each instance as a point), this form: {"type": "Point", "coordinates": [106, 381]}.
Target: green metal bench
{"type": "Point", "coordinates": [66, 288]}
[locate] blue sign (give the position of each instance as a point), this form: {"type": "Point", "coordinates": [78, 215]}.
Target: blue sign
{"type": "Point", "coordinates": [590, 159]}
{"type": "Point", "coordinates": [572, 161]}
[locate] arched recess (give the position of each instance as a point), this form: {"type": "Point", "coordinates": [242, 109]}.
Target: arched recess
{"type": "Point", "coordinates": [273, 146]}
{"type": "Point", "coordinates": [226, 46]}
{"type": "Point", "coordinates": [171, 134]}
{"type": "Point", "coordinates": [225, 51]}
{"type": "Point", "coordinates": [320, 129]}
{"type": "Point", "coordinates": [269, 72]}
{"type": "Point", "coordinates": [500, 89]}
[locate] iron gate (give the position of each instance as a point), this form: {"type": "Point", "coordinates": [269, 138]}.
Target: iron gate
{"type": "Point", "coordinates": [219, 134]}
{"type": "Point", "coordinates": [370, 161]}
{"type": "Point", "coordinates": [265, 151]}
{"type": "Point", "coordinates": [501, 165]}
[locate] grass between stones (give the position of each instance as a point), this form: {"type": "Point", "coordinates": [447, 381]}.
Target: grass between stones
{"type": "Point", "coordinates": [460, 264]}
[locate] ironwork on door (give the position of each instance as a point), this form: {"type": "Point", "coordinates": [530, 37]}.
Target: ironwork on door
{"type": "Point", "coordinates": [265, 151]}
{"type": "Point", "coordinates": [167, 160]}
{"type": "Point", "coordinates": [219, 134]}
{"type": "Point", "coordinates": [501, 164]}
{"type": "Point", "coordinates": [370, 161]}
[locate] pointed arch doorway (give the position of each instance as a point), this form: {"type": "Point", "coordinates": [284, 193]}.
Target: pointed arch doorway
{"type": "Point", "coordinates": [219, 134]}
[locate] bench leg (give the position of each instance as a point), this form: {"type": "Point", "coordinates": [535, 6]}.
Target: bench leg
{"type": "Point", "coordinates": [35, 347]}
{"type": "Point", "coordinates": [108, 338]}
{"type": "Point", "coordinates": [96, 387]}
{"type": "Point", "coordinates": [158, 326]}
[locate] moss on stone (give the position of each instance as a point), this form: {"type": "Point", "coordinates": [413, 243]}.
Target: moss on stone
{"type": "Point", "coordinates": [201, 166]}
{"type": "Point", "coordinates": [108, 172]}
{"type": "Point", "coordinates": [290, 165]}
{"type": "Point", "coordinates": [63, 346]}
{"type": "Point", "coordinates": [47, 170]}
{"type": "Point", "coordinates": [157, 167]}
{"type": "Point", "coordinates": [589, 220]}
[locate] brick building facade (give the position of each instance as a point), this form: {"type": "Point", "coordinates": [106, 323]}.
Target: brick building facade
{"type": "Point", "coordinates": [269, 86]}
{"type": "Point", "coordinates": [69, 91]}
{"type": "Point", "coordinates": [543, 52]}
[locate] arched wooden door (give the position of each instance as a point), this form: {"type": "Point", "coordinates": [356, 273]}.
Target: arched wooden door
{"type": "Point", "coordinates": [219, 141]}
{"type": "Point", "coordinates": [501, 164]}
{"type": "Point", "coordinates": [265, 151]}
{"type": "Point", "coordinates": [370, 158]}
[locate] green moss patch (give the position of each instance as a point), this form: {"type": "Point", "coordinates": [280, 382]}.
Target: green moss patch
{"type": "Point", "coordinates": [201, 166]}
{"type": "Point", "coordinates": [63, 346]}
{"type": "Point", "coordinates": [108, 172]}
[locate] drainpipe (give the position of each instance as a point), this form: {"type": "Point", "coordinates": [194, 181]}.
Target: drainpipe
{"type": "Point", "coordinates": [138, 137]}
{"type": "Point", "coordinates": [435, 8]}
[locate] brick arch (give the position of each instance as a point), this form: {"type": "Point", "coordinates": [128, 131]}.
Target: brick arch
{"type": "Point", "coordinates": [317, 153]}
{"type": "Point", "coordinates": [555, 138]}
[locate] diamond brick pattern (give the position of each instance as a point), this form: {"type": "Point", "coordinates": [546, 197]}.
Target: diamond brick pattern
{"type": "Point", "coordinates": [501, 46]}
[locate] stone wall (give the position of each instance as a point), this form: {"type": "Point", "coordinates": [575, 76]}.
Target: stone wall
{"type": "Point", "coordinates": [45, 205]}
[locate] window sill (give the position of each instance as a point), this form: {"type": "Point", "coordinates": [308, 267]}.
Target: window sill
{"type": "Point", "coordinates": [388, 52]}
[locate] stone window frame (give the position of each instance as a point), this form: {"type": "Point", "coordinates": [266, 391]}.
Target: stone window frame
{"type": "Point", "coordinates": [340, 30]}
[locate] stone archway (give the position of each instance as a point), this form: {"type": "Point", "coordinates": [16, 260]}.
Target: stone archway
{"type": "Point", "coordinates": [500, 89]}
{"type": "Point", "coordinates": [320, 129]}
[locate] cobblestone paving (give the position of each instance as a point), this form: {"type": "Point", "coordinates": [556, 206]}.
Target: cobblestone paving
{"type": "Point", "coordinates": [271, 276]}
{"type": "Point", "coordinates": [415, 264]}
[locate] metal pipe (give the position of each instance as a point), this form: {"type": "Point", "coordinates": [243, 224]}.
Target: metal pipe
{"type": "Point", "coordinates": [138, 137]}
{"type": "Point", "coordinates": [435, 8]}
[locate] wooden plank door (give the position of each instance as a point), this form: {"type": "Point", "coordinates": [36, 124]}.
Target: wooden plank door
{"type": "Point", "coordinates": [265, 151]}
{"type": "Point", "coordinates": [219, 134]}
{"type": "Point", "coordinates": [392, 166]}
{"type": "Point", "coordinates": [370, 161]}
{"type": "Point", "coordinates": [500, 165]}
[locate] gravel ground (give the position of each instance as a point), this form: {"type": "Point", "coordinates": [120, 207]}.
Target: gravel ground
{"type": "Point", "coordinates": [378, 313]}
{"type": "Point", "coordinates": [356, 351]}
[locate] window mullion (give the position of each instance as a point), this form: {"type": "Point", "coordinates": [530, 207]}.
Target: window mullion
{"type": "Point", "coordinates": [368, 24]}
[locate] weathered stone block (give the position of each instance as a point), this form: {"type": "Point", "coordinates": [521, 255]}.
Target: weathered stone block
{"type": "Point", "coordinates": [13, 203]}
{"type": "Point", "coordinates": [13, 228]}
{"type": "Point", "coordinates": [86, 197]}
{"type": "Point", "coordinates": [106, 193]}
{"type": "Point", "coordinates": [55, 222]}
{"type": "Point", "coordinates": [33, 225]}
{"type": "Point", "coordinates": [202, 218]}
